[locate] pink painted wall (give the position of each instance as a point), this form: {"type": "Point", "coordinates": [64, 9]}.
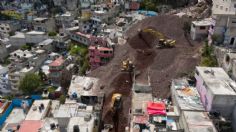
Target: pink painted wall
{"type": "Point", "coordinates": [205, 96]}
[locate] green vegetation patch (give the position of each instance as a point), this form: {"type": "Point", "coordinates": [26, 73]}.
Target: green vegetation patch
{"type": "Point", "coordinates": [208, 58]}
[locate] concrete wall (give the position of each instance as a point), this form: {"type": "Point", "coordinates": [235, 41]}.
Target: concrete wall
{"type": "Point", "coordinates": [197, 33]}
{"type": "Point", "coordinates": [205, 95]}
{"type": "Point", "coordinates": [32, 38]}
{"type": "Point", "coordinates": [224, 104]}
{"type": "Point", "coordinates": [3, 52]}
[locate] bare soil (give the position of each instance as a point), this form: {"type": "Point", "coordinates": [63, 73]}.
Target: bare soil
{"type": "Point", "coordinates": [163, 65]}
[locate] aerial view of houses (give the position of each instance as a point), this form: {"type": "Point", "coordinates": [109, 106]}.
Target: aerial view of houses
{"type": "Point", "coordinates": [117, 66]}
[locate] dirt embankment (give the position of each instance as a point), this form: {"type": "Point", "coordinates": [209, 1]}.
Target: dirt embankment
{"type": "Point", "coordinates": [163, 65]}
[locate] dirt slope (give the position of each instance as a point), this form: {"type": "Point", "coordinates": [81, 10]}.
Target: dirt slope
{"type": "Point", "coordinates": [162, 64]}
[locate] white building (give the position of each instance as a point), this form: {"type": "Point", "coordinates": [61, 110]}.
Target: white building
{"type": "Point", "coordinates": [17, 40]}
{"type": "Point", "coordinates": [16, 76]}
{"type": "Point", "coordinates": [7, 27]}
{"type": "Point", "coordinates": [44, 24]}
{"type": "Point", "coordinates": [65, 20]}
{"type": "Point", "coordinates": [84, 124]}
{"type": "Point", "coordinates": [38, 110]}
{"type": "Point", "coordinates": [193, 121]}
{"type": "Point", "coordinates": [215, 88]}
{"type": "Point", "coordinates": [46, 45]}
{"type": "Point", "coordinates": [3, 51]}
{"type": "Point", "coordinates": [223, 11]}
{"type": "Point", "coordinates": [35, 37]}
{"type": "Point", "coordinates": [104, 13]}
{"type": "Point", "coordinates": [85, 89]}
{"type": "Point", "coordinates": [199, 29]}
{"type": "Point", "coordinates": [4, 83]}
{"type": "Point", "coordinates": [16, 116]}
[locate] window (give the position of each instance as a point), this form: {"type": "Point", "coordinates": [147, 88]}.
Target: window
{"type": "Point", "coordinates": [202, 27]}
{"type": "Point", "coordinates": [226, 9]}
{"type": "Point", "coordinates": [221, 7]}
{"type": "Point", "coordinates": [217, 6]}
{"type": "Point", "coordinates": [234, 5]}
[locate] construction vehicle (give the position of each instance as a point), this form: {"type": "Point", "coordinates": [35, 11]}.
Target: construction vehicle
{"type": "Point", "coordinates": [164, 42]}
{"type": "Point", "coordinates": [127, 65]}
{"type": "Point", "coordinates": [116, 102]}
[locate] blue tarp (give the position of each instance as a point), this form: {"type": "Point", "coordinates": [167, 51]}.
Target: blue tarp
{"type": "Point", "coordinates": [147, 13]}
{"type": "Point", "coordinates": [17, 103]}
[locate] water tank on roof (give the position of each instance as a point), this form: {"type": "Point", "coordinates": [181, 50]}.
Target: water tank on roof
{"type": "Point", "coordinates": [87, 117]}
{"type": "Point", "coordinates": [88, 85]}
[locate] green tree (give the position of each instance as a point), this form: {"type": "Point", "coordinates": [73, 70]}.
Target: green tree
{"type": "Point", "coordinates": [51, 34]}
{"type": "Point", "coordinates": [30, 83]}
{"type": "Point", "coordinates": [62, 99]}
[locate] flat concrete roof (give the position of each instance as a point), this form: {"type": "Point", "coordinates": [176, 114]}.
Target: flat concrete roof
{"type": "Point", "coordinates": [84, 126]}
{"type": "Point", "coordinates": [217, 80]}
{"type": "Point", "coordinates": [35, 33]}
{"type": "Point", "coordinates": [46, 42]}
{"type": "Point", "coordinates": [15, 118]}
{"type": "Point", "coordinates": [198, 122]}
{"type": "Point", "coordinates": [186, 97]}
{"type": "Point", "coordinates": [139, 101]}
{"type": "Point", "coordinates": [34, 112]}
{"type": "Point", "coordinates": [46, 125]}
{"type": "Point", "coordinates": [18, 35]}
{"type": "Point", "coordinates": [25, 70]}
{"type": "Point", "coordinates": [72, 110]}
{"type": "Point", "coordinates": [204, 22]}
{"type": "Point", "coordinates": [84, 86]}
{"type": "Point", "coordinates": [40, 18]}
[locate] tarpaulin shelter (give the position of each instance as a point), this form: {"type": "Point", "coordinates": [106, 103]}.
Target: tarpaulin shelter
{"type": "Point", "coordinates": [156, 108]}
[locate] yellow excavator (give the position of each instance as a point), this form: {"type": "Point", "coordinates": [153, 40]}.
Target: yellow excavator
{"type": "Point", "coordinates": [164, 42]}
{"type": "Point", "coordinates": [127, 65]}
{"type": "Point", "coordinates": [116, 102]}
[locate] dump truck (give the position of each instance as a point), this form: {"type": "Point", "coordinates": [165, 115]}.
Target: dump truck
{"type": "Point", "coordinates": [127, 65]}
{"type": "Point", "coordinates": [164, 42]}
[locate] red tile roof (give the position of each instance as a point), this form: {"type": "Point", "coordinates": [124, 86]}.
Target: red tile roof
{"type": "Point", "coordinates": [30, 126]}
{"type": "Point", "coordinates": [58, 62]}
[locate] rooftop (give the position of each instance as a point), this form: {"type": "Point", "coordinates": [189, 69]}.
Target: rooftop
{"type": "Point", "coordinates": [198, 122]}
{"type": "Point", "coordinates": [186, 97]}
{"type": "Point", "coordinates": [30, 126]}
{"type": "Point", "coordinates": [40, 19]}
{"type": "Point", "coordinates": [72, 110]}
{"type": "Point", "coordinates": [35, 33]}
{"type": "Point", "coordinates": [101, 48]}
{"type": "Point", "coordinates": [205, 22]}
{"type": "Point", "coordinates": [47, 122]}
{"type": "Point", "coordinates": [139, 101]}
{"type": "Point", "coordinates": [58, 62]}
{"type": "Point", "coordinates": [217, 80]}
{"type": "Point", "coordinates": [38, 110]}
{"type": "Point", "coordinates": [46, 42]}
{"type": "Point", "coordinates": [26, 69]}
{"type": "Point", "coordinates": [85, 125]}
{"type": "Point", "coordinates": [15, 118]}
{"type": "Point", "coordinates": [18, 35]}
{"type": "Point", "coordinates": [85, 86]}
{"type": "Point", "coordinates": [84, 35]}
